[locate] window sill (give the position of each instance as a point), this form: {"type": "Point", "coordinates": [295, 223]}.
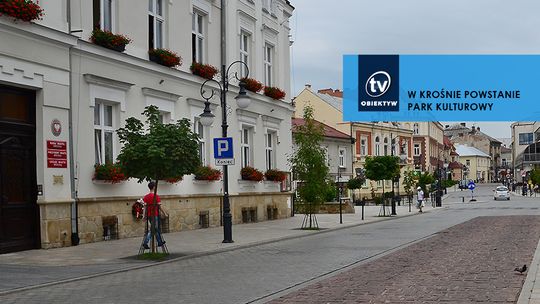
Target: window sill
{"type": "Point", "coordinates": [204, 182]}
{"type": "Point", "coordinates": [106, 182]}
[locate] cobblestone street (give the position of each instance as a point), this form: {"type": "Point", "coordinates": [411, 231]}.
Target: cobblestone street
{"type": "Point", "coordinates": [472, 262]}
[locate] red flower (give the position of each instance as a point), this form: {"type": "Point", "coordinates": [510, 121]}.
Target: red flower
{"type": "Point", "coordinates": [252, 174]}
{"type": "Point", "coordinates": [252, 85]}
{"type": "Point", "coordinates": [165, 57]}
{"type": "Point", "coordinates": [274, 92]}
{"type": "Point", "coordinates": [207, 173]}
{"type": "Point", "coordinates": [204, 70]}
{"type": "Point", "coordinates": [24, 10]}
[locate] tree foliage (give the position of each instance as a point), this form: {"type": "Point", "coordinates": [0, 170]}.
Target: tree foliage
{"type": "Point", "coordinates": [309, 163]}
{"type": "Point", "coordinates": [355, 183]}
{"type": "Point", "coordinates": [382, 167]}
{"type": "Point", "coordinates": [425, 179]}
{"type": "Point", "coordinates": [157, 151]}
{"type": "Point", "coordinates": [409, 182]}
{"type": "Point", "coordinates": [535, 176]}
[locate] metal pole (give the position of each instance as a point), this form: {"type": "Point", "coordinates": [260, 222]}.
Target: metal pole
{"type": "Point", "coordinates": [339, 196]}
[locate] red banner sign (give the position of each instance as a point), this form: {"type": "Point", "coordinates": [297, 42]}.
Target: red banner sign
{"type": "Point", "coordinates": [56, 154]}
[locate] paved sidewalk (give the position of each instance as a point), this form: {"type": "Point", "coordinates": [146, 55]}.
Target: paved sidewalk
{"type": "Point", "coordinates": [195, 241]}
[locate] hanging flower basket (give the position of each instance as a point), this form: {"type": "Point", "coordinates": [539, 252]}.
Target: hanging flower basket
{"type": "Point", "coordinates": [274, 92]}
{"type": "Point", "coordinates": [204, 70]}
{"type": "Point", "coordinates": [109, 173]}
{"type": "Point", "coordinates": [252, 85]}
{"type": "Point", "coordinates": [165, 57]}
{"type": "Point", "coordinates": [251, 174]}
{"type": "Point", "coordinates": [109, 40]}
{"type": "Point", "coordinates": [24, 10]}
{"type": "Point", "coordinates": [207, 173]}
{"type": "Point", "coordinates": [275, 175]}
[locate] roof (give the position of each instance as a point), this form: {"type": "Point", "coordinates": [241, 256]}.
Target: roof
{"type": "Point", "coordinates": [446, 141]}
{"type": "Point", "coordinates": [335, 102]}
{"type": "Point", "coordinates": [455, 165]}
{"type": "Point", "coordinates": [328, 131]}
{"type": "Point", "coordinates": [463, 150]}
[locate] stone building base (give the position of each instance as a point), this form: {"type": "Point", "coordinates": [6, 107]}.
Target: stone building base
{"type": "Point", "coordinates": [111, 218]}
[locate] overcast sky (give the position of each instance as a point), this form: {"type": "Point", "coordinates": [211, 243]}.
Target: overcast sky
{"type": "Point", "coordinates": [324, 30]}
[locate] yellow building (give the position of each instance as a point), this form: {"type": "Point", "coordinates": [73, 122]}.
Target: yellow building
{"type": "Point", "coordinates": [476, 163]}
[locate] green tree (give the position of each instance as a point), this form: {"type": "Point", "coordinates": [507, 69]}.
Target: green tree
{"type": "Point", "coordinates": [382, 168]}
{"type": "Point", "coordinates": [157, 151]}
{"type": "Point", "coordinates": [535, 176]}
{"type": "Point", "coordinates": [408, 183]}
{"type": "Point", "coordinates": [355, 183]}
{"type": "Point", "coordinates": [309, 166]}
{"type": "Point", "coordinates": [425, 179]}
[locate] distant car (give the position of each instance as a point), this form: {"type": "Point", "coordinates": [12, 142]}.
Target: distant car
{"type": "Point", "coordinates": [501, 192]}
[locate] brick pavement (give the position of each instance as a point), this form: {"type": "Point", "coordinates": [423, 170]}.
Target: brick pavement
{"type": "Point", "coordinates": [472, 262]}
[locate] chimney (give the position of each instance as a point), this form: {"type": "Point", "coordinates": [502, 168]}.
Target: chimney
{"type": "Point", "coordinates": [473, 129]}
{"type": "Point", "coordinates": [462, 124]}
{"type": "Point", "coordinates": [308, 86]}
{"type": "Point", "coordinates": [447, 126]}
{"type": "Point", "coordinates": [478, 128]}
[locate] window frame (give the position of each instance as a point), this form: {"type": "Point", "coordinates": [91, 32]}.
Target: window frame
{"type": "Point", "coordinates": [417, 151]}
{"type": "Point", "coordinates": [244, 52]}
{"type": "Point", "coordinates": [342, 157]}
{"type": "Point", "coordinates": [156, 18]}
{"type": "Point", "coordinates": [270, 151]}
{"type": "Point", "coordinates": [363, 150]}
{"type": "Point", "coordinates": [246, 148]}
{"type": "Point", "coordinates": [198, 39]}
{"type": "Point", "coordinates": [416, 129]}
{"type": "Point", "coordinates": [200, 130]}
{"type": "Point", "coordinates": [377, 146]}
{"type": "Point", "coordinates": [268, 62]}
{"type": "Point", "coordinates": [529, 140]}
{"type": "Point", "coordinates": [101, 157]}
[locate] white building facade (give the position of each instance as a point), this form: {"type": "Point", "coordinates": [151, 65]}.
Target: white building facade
{"type": "Point", "coordinates": [71, 95]}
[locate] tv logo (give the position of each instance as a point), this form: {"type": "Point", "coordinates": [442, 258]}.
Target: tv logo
{"type": "Point", "coordinates": [378, 75]}
{"type": "Point", "coordinates": [378, 83]}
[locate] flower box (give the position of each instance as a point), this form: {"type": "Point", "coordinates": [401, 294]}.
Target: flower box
{"type": "Point", "coordinates": [109, 40]}
{"type": "Point", "coordinates": [274, 92]}
{"type": "Point", "coordinates": [252, 85]}
{"type": "Point", "coordinates": [24, 10]}
{"type": "Point", "coordinates": [275, 175]}
{"type": "Point", "coordinates": [251, 174]}
{"type": "Point", "coordinates": [108, 173]}
{"type": "Point", "coordinates": [204, 70]}
{"type": "Point", "coordinates": [165, 57]}
{"type": "Point", "coordinates": [174, 180]}
{"type": "Point", "coordinates": [207, 173]}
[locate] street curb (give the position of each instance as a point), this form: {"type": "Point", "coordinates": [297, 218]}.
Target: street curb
{"type": "Point", "coordinates": [530, 281]}
{"type": "Point", "coordinates": [195, 255]}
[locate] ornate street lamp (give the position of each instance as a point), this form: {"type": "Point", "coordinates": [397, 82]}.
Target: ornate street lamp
{"type": "Point", "coordinates": [207, 118]}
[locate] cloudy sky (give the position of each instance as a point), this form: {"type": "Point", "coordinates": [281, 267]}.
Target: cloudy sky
{"type": "Point", "coordinates": [324, 30]}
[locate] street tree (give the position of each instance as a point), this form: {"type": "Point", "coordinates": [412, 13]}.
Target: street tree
{"type": "Point", "coordinates": [309, 166]}
{"type": "Point", "coordinates": [382, 168]}
{"type": "Point", "coordinates": [408, 183]}
{"type": "Point", "coordinates": [156, 151]}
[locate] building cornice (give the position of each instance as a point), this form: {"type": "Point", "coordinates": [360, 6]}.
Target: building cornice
{"type": "Point", "coordinates": [107, 82]}
{"type": "Point", "coordinates": [38, 32]}
{"type": "Point", "coordinates": [160, 94]}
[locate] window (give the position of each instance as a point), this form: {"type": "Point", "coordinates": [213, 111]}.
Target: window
{"type": "Point", "coordinates": [244, 52]}
{"type": "Point", "coordinates": [416, 129]}
{"type": "Point", "coordinates": [363, 146]}
{"type": "Point", "coordinates": [270, 153]}
{"type": "Point", "coordinates": [197, 37]}
{"type": "Point", "coordinates": [468, 163]}
{"type": "Point", "coordinates": [268, 53]}
{"type": "Point", "coordinates": [103, 14]}
{"type": "Point", "coordinates": [246, 147]}
{"type": "Point", "coordinates": [155, 24]}
{"type": "Point", "coordinates": [416, 149]}
{"type": "Point", "coordinates": [385, 146]}
{"type": "Point", "coordinates": [342, 157]}
{"type": "Point", "coordinates": [393, 147]}
{"type": "Point", "coordinates": [377, 146]}
{"type": "Point", "coordinates": [526, 138]}
{"type": "Point", "coordinates": [103, 133]}
{"type": "Point", "coordinates": [199, 129]}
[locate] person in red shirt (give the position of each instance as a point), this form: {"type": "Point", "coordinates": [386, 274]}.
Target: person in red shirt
{"type": "Point", "coordinates": [152, 213]}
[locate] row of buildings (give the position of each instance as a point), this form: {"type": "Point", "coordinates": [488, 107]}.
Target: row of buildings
{"type": "Point", "coordinates": [62, 97]}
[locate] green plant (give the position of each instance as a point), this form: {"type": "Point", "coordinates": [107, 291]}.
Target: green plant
{"type": "Point", "coordinates": [25, 10]}
{"type": "Point", "coordinates": [109, 172]}
{"type": "Point", "coordinates": [355, 183]}
{"type": "Point", "coordinates": [207, 173]}
{"type": "Point", "coordinates": [331, 192]}
{"type": "Point", "coordinates": [204, 70]}
{"type": "Point", "coordinates": [165, 57]}
{"type": "Point", "coordinates": [275, 175]}
{"type": "Point", "coordinates": [109, 40]}
{"type": "Point", "coordinates": [274, 92]}
{"type": "Point", "coordinates": [174, 180]}
{"type": "Point", "coordinates": [252, 85]}
{"type": "Point", "coordinates": [251, 174]}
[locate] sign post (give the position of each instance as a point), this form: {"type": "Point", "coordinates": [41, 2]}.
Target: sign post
{"type": "Point", "coordinates": [471, 186]}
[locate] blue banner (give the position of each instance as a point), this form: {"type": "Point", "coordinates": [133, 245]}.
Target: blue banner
{"type": "Point", "coordinates": [441, 87]}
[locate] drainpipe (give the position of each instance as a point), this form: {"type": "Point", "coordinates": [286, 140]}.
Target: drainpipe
{"type": "Point", "coordinates": [72, 181]}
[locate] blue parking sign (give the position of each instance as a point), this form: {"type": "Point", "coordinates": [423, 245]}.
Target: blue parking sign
{"type": "Point", "coordinates": [223, 148]}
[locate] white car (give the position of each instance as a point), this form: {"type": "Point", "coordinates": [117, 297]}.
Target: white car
{"type": "Point", "coordinates": [501, 193]}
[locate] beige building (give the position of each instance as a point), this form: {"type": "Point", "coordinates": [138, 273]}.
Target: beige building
{"type": "Point", "coordinates": [473, 137]}
{"type": "Point", "coordinates": [476, 162]}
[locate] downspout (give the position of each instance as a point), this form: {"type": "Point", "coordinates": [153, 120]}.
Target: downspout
{"type": "Point", "coordinates": [74, 198]}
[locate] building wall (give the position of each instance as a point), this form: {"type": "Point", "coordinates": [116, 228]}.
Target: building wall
{"type": "Point", "coordinates": [322, 111]}
{"type": "Point", "coordinates": [70, 73]}
{"type": "Point", "coordinates": [478, 168]}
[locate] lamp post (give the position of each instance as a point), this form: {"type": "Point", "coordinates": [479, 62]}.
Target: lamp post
{"type": "Point", "coordinates": [207, 118]}
{"type": "Point", "coordinates": [339, 195]}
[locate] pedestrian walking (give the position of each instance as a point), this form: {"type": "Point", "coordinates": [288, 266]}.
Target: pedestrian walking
{"type": "Point", "coordinates": [420, 199]}
{"type": "Point", "coordinates": [152, 213]}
